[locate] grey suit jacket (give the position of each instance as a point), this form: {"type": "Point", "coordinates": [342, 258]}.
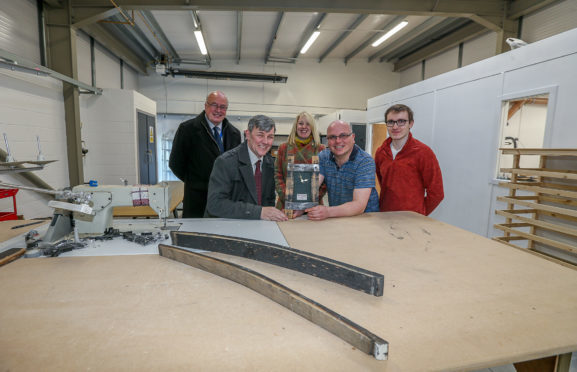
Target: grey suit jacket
{"type": "Point", "coordinates": [232, 190]}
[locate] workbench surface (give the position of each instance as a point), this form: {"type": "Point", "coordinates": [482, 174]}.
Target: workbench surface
{"type": "Point", "coordinates": [452, 300]}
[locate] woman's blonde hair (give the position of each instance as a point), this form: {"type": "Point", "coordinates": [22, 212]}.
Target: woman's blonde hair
{"type": "Point", "coordinates": [313, 125]}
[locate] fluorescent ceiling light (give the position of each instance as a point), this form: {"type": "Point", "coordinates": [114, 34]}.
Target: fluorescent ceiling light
{"type": "Point", "coordinates": [310, 41]}
{"type": "Point", "coordinates": [200, 41]}
{"type": "Point", "coordinates": [393, 31]}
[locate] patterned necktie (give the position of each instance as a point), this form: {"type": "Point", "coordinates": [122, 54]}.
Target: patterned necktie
{"type": "Point", "coordinates": [258, 182]}
{"type": "Point", "coordinates": [217, 138]}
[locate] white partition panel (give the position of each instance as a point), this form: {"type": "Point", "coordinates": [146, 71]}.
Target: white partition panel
{"type": "Point", "coordinates": [458, 115]}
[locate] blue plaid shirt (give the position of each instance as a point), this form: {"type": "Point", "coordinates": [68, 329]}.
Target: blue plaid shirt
{"type": "Point", "coordinates": [357, 173]}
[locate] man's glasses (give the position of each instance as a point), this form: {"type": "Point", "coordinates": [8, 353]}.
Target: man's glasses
{"type": "Point", "coordinates": [217, 106]}
{"type": "Point", "coordinates": [400, 123]}
{"type": "Point", "coordinates": [341, 136]}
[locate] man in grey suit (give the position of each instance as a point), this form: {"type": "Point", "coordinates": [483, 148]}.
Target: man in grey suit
{"type": "Point", "coordinates": [241, 184]}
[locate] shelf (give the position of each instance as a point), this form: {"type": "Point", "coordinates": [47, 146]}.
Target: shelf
{"type": "Point", "coordinates": [547, 219]}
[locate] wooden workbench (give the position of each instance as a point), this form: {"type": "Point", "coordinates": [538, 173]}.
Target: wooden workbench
{"type": "Point", "coordinates": [7, 230]}
{"type": "Point", "coordinates": [453, 300]}
{"type": "Point", "coordinates": [176, 196]}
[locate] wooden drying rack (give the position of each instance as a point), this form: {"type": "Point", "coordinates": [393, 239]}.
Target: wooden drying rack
{"type": "Point", "coordinates": [552, 207]}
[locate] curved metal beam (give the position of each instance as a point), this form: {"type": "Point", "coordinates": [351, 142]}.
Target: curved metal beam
{"type": "Point", "coordinates": [304, 262]}
{"type": "Point", "coordinates": [311, 310]}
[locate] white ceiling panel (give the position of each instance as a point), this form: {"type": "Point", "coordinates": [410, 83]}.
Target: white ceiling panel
{"type": "Point", "coordinates": [257, 30]}
{"type": "Point", "coordinates": [290, 33]}
{"type": "Point", "coordinates": [367, 29]}
{"type": "Point", "coordinates": [179, 29]}
{"type": "Point", "coordinates": [219, 30]}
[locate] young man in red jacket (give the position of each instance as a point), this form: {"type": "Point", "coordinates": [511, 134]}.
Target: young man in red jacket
{"type": "Point", "coordinates": [407, 169]}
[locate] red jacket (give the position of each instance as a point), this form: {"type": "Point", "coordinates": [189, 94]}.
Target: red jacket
{"type": "Point", "coordinates": [405, 179]}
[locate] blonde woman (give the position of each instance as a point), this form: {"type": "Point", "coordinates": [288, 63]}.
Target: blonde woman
{"type": "Point", "coordinates": [303, 143]}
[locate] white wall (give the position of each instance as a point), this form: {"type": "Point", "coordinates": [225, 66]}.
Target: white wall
{"type": "Point", "coordinates": [19, 28]}
{"type": "Point", "coordinates": [107, 67]}
{"type": "Point", "coordinates": [442, 63]}
{"type": "Point", "coordinates": [110, 133]}
{"type": "Point", "coordinates": [311, 87]}
{"type": "Point", "coordinates": [550, 21]}
{"type": "Point", "coordinates": [317, 88]}
{"type": "Point", "coordinates": [458, 115]}
{"type": "Point", "coordinates": [479, 48]}
{"type": "Point", "coordinates": [33, 106]}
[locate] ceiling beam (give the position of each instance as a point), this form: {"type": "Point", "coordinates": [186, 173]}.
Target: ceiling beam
{"type": "Point", "coordinates": [343, 35]}
{"type": "Point", "coordinates": [389, 25]}
{"type": "Point", "coordinates": [274, 36]}
{"type": "Point", "coordinates": [463, 34]}
{"type": "Point", "coordinates": [88, 16]}
{"type": "Point", "coordinates": [116, 47]}
{"type": "Point", "coordinates": [447, 8]}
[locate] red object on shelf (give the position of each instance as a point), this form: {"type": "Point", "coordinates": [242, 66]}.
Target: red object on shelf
{"type": "Point", "coordinates": [6, 193]}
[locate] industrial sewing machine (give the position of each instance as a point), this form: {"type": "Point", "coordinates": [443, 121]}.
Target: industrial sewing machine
{"type": "Point", "coordinates": [89, 210]}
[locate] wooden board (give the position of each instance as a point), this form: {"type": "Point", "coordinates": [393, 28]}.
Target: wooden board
{"type": "Point", "coordinates": [7, 232]}
{"type": "Point", "coordinates": [453, 300]}
{"type": "Point", "coordinates": [10, 255]}
{"type": "Point", "coordinates": [480, 303]}
{"type": "Point", "coordinates": [176, 197]}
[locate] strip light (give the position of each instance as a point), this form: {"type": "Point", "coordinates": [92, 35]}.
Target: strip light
{"type": "Point", "coordinates": [310, 41]}
{"type": "Point", "coordinates": [200, 41]}
{"type": "Point", "coordinates": [391, 32]}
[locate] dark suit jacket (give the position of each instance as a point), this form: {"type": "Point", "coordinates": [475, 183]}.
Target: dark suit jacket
{"type": "Point", "coordinates": [232, 190]}
{"type": "Point", "coordinates": [194, 150]}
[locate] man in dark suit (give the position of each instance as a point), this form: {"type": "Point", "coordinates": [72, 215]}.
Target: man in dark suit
{"type": "Point", "coordinates": [197, 143]}
{"type": "Point", "coordinates": [242, 181]}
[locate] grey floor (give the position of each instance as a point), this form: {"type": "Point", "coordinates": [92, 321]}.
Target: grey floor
{"type": "Point", "coordinates": [510, 368]}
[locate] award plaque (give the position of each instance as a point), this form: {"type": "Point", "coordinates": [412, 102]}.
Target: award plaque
{"type": "Point", "coordinates": [302, 185]}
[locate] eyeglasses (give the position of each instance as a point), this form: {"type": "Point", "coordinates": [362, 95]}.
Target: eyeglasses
{"type": "Point", "coordinates": [400, 123]}
{"type": "Point", "coordinates": [217, 106]}
{"type": "Point", "coordinates": [341, 136]}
